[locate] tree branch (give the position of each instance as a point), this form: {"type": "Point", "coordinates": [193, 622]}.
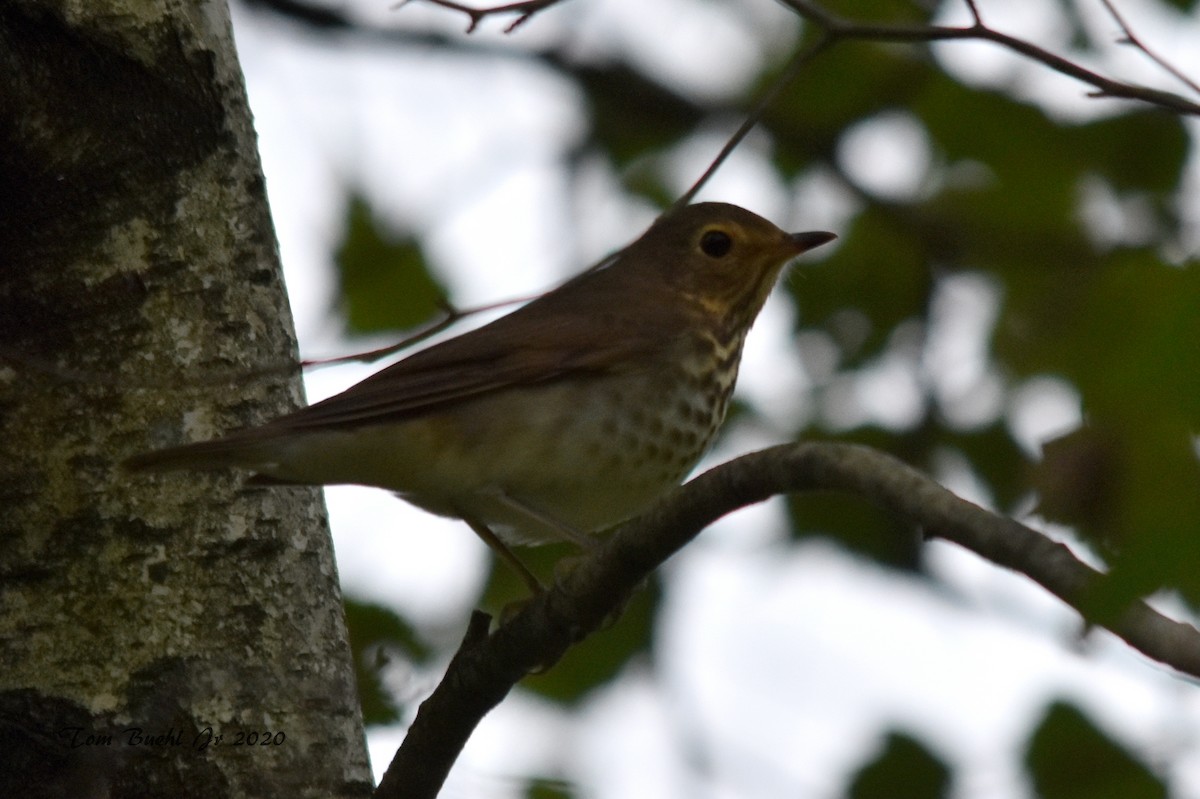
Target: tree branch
{"type": "Point", "coordinates": [838, 28]}
{"type": "Point", "coordinates": [1131, 38]}
{"type": "Point", "coordinates": [450, 316]}
{"type": "Point", "coordinates": [797, 64]}
{"type": "Point", "coordinates": [524, 10]}
{"type": "Point", "coordinates": [834, 29]}
{"type": "Point", "coordinates": [488, 665]}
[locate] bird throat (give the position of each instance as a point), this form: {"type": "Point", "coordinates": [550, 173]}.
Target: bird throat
{"type": "Point", "coordinates": [709, 375]}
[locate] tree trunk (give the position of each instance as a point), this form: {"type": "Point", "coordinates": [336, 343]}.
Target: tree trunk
{"type": "Point", "coordinates": [174, 636]}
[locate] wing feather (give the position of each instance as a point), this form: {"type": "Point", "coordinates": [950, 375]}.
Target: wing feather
{"type": "Point", "coordinates": [544, 341]}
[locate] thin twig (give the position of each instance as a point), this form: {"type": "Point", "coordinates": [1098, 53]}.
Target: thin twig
{"type": "Point", "coordinates": [1132, 39]}
{"type": "Point", "coordinates": [835, 28]}
{"type": "Point", "coordinates": [524, 10]}
{"type": "Point", "coordinates": [840, 28]}
{"type": "Point", "coordinates": [451, 316]}
{"type": "Point", "coordinates": [798, 62]}
{"type": "Point", "coordinates": [974, 9]}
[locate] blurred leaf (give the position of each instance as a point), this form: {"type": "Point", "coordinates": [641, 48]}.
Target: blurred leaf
{"type": "Point", "coordinates": [1019, 211]}
{"type": "Point", "coordinates": [504, 587]}
{"type": "Point", "coordinates": [1136, 491]}
{"type": "Point", "coordinates": [645, 178]}
{"type": "Point", "coordinates": [1145, 150]}
{"type": "Point", "coordinates": [880, 269]}
{"type": "Point", "coordinates": [378, 634]}
{"type": "Point", "coordinates": [1126, 336]}
{"type": "Point", "coordinates": [854, 523]}
{"type": "Point", "coordinates": [549, 789]}
{"type": "Point", "coordinates": [1124, 333]}
{"type": "Point", "coordinates": [878, 10]}
{"type": "Point", "coordinates": [632, 115]}
{"type": "Point", "coordinates": [995, 457]}
{"type": "Point", "coordinates": [1025, 193]}
{"type": "Point", "coordinates": [1070, 759]}
{"type": "Point", "coordinates": [846, 84]}
{"type": "Point", "coordinates": [1079, 480]}
{"type": "Point", "coordinates": [1121, 327]}
{"type": "Point", "coordinates": [385, 282]}
{"type": "Point", "coordinates": [598, 658]}
{"type": "Point", "coordinates": [1080, 40]}
{"type": "Point", "coordinates": [903, 770]}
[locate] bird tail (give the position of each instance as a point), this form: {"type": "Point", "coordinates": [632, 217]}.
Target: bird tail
{"type": "Point", "coordinates": [221, 453]}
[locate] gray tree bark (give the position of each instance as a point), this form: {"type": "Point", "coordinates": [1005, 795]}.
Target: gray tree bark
{"type": "Point", "coordinates": [174, 636]}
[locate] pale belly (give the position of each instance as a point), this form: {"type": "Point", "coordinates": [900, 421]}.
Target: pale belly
{"type": "Point", "coordinates": [526, 463]}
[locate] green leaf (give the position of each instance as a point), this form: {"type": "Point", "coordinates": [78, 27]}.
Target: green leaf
{"type": "Point", "coordinates": [894, 11]}
{"type": "Point", "coordinates": [880, 269]}
{"type": "Point", "coordinates": [545, 788]}
{"type": "Point", "coordinates": [1026, 189]}
{"type": "Point", "coordinates": [599, 657]}
{"type": "Point", "coordinates": [844, 85]}
{"type": "Point", "coordinates": [1124, 330]}
{"type": "Point", "coordinates": [632, 115]}
{"type": "Point", "coordinates": [903, 770]}
{"type": "Point", "coordinates": [995, 457]}
{"type": "Point", "coordinates": [1125, 335]}
{"type": "Point", "coordinates": [1019, 214]}
{"type": "Point", "coordinates": [505, 587]}
{"type": "Point", "coordinates": [1070, 759]}
{"type": "Point", "coordinates": [378, 635]}
{"type": "Point", "coordinates": [1146, 150]}
{"type": "Point", "coordinates": [857, 525]}
{"type": "Point", "coordinates": [385, 283]}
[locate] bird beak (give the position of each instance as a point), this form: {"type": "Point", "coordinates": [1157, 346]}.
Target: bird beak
{"type": "Point", "coordinates": [803, 242]}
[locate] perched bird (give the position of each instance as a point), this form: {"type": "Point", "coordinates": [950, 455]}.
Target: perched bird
{"type": "Point", "coordinates": [563, 418]}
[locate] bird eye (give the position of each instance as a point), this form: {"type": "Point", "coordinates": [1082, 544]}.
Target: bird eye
{"type": "Point", "coordinates": [716, 243]}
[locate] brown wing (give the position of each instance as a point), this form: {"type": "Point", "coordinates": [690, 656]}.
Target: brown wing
{"type": "Point", "coordinates": [560, 334]}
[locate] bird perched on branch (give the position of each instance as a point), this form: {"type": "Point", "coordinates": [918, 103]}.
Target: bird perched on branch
{"type": "Point", "coordinates": [563, 418]}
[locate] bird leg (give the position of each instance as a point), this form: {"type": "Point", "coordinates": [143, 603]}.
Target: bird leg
{"type": "Point", "coordinates": [505, 554]}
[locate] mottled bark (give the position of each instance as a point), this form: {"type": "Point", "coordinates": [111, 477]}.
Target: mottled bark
{"type": "Point", "coordinates": [148, 622]}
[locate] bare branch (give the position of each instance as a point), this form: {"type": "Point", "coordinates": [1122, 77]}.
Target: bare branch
{"type": "Point", "coordinates": [524, 10]}
{"type": "Point", "coordinates": [488, 665]}
{"type": "Point", "coordinates": [838, 28]}
{"type": "Point", "coordinates": [974, 9]}
{"type": "Point", "coordinates": [451, 315]}
{"type": "Point", "coordinates": [799, 61]}
{"type": "Point", "coordinates": [835, 28]}
{"type": "Point", "coordinates": [1131, 39]}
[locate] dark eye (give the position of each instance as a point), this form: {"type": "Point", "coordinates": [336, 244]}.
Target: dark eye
{"type": "Point", "coordinates": [716, 243]}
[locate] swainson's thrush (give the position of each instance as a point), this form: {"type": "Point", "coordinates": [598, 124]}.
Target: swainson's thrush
{"type": "Point", "coordinates": [563, 418]}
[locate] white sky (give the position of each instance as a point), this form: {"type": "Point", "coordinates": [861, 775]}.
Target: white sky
{"type": "Point", "coordinates": [779, 666]}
